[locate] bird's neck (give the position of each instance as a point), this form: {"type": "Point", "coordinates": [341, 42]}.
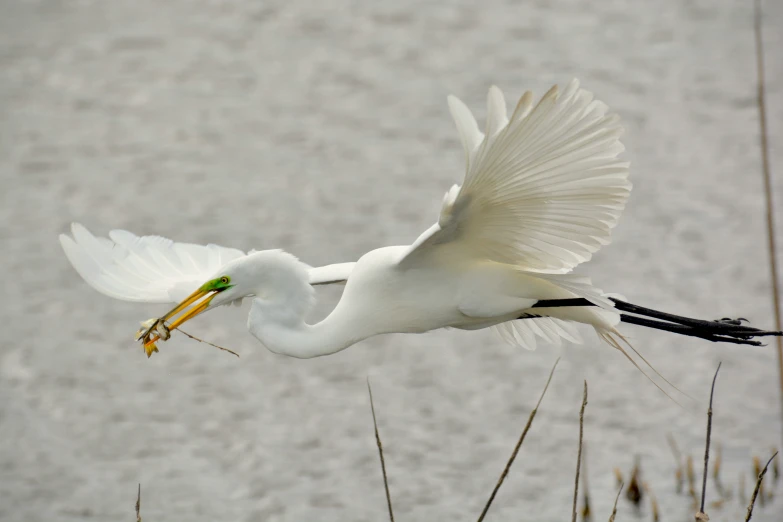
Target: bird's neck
{"type": "Point", "coordinates": [289, 334]}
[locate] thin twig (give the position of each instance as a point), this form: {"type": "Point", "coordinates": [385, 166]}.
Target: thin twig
{"type": "Point", "coordinates": [380, 452]}
{"type": "Point", "coordinates": [763, 142]}
{"type": "Point", "coordinates": [614, 509]}
{"type": "Point", "coordinates": [579, 454]}
{"type": "Point", "coordinates": [707, 444]}
{"type": "Point", "coordinates": [207, 342]}
{"type": "Point", "coordinates": [762, 498]}
{"type": "Point", "coordinates": [138, 504]}
{"type": "Point", "coordinates": [756, 490]}
{"type": "Point", "coordinates": [519, 445]}
{"type": "Point", "coordinates": [586, 511]}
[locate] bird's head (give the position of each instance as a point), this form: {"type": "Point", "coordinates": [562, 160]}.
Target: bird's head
{"type": "Point", "coordinates": [270, 274]}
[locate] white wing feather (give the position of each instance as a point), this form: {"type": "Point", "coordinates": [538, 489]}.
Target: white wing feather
{"type": "Point", "coordinates": [541, 191]}
{"type": "Point", "coordinates": [149, 269]}
{"type": "Point", "coordinates": [523, 332]}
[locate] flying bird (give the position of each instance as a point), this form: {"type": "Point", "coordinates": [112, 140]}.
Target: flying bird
{"type": "Point", "coordinates": [543, 189]}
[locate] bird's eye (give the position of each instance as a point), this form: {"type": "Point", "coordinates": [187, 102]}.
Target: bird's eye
{"type": "Point", "coordinates": [224, 280]}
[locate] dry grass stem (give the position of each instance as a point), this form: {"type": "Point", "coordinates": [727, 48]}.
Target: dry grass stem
{"type": "Point", "coordinates": [678, 480]}
{"type": "Point", "coordinates": [587, 515]}
{"type": "Point", "coordinates": [756, 472]}
{"type": "Point", "coordinates": [614, 509]}
{"type": "Point", "coordinates": [618, 476]}
{"type": "Point", "coordinates": [722, 491]}
{"type": "Point", "coordinates": [691, 475]}
{"type": "Point", "coordinates": [138, 504]}
{"type": "Point", "coordinates": [634, 491]}
{"type": "Point", "coordinates": [586, 512]}
{"type": "Point", "coordinates": [579, 454]}
{"type": "Point", "coordinates": [519, 445]}
{"type": "Point", "coordinates": [764, 144]}
{"type": "Point", "coordinates": [380, 453]}
{"type": "Point", "coordinates": [656, 512]}
{"type": "Point", "coordinates": [757, 488]}
{"type": "Point", "coordinates": [207, 342]}
{"type": "Point", "coordinates": [707, 444]}
{"type": "Point", "coordinates": [678, 474]}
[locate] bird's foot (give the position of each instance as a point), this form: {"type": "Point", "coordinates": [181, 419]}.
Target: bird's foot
{"type": "Point", "coordinates": [733, 322]}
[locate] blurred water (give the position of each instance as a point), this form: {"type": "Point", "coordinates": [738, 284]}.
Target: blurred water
{"type": "Point", "coordinates": [322, 128]}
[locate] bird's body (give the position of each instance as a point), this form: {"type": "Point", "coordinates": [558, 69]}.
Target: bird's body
{"type": "Point", "coordinates": [542, 191]}
{"type": "Point", "coordinates": [381, 296]}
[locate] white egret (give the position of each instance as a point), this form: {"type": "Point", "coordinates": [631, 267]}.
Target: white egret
{"type": "Point", "coordinates": [542, 191]}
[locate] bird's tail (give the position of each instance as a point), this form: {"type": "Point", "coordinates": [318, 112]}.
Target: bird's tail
{"type": "Point", "coordinates": [554, 324]}
{"type": "Point", "coordinates": [603, 317]}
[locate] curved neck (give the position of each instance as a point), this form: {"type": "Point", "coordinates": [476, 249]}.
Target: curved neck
{"type": "Point", "coordinates": [292, 336]}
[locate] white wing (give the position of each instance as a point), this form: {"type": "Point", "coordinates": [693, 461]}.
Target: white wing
{"type": "Point", "coordinates": [523, 332]}
{"type": "Point", "coordinates": [541, 191]}
{"type": "Point", "coordinates": [149, 269]}
{"type": "Point", "coordinates": [331, 274]}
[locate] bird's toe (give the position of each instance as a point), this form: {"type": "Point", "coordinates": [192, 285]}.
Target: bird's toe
{"type": "Point", "coordinates": [734, 322]}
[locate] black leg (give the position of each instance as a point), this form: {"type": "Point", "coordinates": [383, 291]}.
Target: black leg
{"type": "Point", "coordinates": [649, 312]}
{"type": "Point", "coordinates": [686, 330]}
{"type": "Point", "coordinates": [724, 330]}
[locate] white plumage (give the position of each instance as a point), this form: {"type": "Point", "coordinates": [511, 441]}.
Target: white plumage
{"type": "Point", "coordinates": [149, 269]}
{"type": "Point", "coordinates": [153, 269]}
{"type": "Point", "coordinates": [541, 193]}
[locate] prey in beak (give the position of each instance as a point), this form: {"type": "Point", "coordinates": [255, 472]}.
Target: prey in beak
{"type": "Point", "coordinates": [155, 329]}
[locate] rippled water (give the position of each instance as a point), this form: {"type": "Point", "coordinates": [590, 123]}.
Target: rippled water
{"type": "Point", "coordinates": [322, 128]}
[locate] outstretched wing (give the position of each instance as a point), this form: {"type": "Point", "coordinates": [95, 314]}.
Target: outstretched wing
{"type": "Point", "coordinates": [153, 269]}
{"type": "Point", "coordinates": [149, 269]}
{"type": "Point", "coordinates": [542, 190]}
{"type": "Point", "coordinates": [331, 274]}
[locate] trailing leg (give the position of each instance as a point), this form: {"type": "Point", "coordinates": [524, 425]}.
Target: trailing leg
{"type": "Point", "coordinates": [724, 330]}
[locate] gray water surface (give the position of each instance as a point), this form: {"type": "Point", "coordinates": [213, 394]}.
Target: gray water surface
{"type": "Point", "coordinates": [322, 128]}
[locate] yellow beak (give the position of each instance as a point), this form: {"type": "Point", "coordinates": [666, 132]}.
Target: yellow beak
{"type": "Point", "coordinates": [193, 312]}
{"type": "Point", "coordinates": [151, 338]}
